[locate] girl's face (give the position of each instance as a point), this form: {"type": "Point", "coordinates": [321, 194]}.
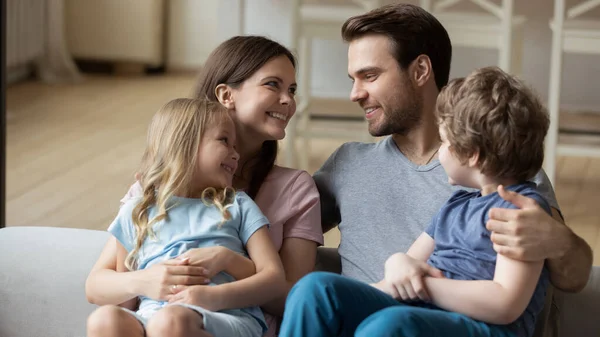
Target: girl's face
{"type": "Point", "coordinates": [217, 156]}
{"type": "Point", "coordinates": [264, 103]}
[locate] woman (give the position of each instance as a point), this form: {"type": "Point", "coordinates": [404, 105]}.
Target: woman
{"type": "Point", "coordinates": [254, 78]}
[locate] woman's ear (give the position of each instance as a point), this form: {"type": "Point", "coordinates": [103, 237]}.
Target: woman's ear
{"type": "Point", "coordinates": [225, 96]}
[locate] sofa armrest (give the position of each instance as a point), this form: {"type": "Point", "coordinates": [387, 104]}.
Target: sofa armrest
{"type": "Point", "coordinates": [328, 259]}
{"type": "Point", "coordinates": [579, 314]}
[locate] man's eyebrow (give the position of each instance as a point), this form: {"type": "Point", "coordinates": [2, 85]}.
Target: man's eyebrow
{"type": "Point", "coordinates": [365, 70]}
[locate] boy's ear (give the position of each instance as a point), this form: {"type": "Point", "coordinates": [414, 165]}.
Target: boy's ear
{"type": "Point", "coordinates": [474, 160]}
{"type": "Point", "coordinates": [225, 96]}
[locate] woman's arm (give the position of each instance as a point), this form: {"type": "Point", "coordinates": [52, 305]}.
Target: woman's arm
{"type": "Point", "coordinates": [267, 284]}
{"type": "Point", "coordinates": [217, 259]}
{"type": "Point", "coordinates": [298, 257]}
{"type": "Point", "coordinates": [107, 285]}
{"type": "Point", "coordinates": [104, 284]}
{"type": "Point", "coordinates": [500, 301]}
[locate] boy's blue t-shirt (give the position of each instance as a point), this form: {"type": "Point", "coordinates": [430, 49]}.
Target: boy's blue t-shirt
{"type": "Point", "coordinates": [192, 224]}
{"type": "Point", "coordinates": [464, 250]}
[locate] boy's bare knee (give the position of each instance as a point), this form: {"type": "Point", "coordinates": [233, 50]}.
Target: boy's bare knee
{"type": "Point", "coordinates": [176, 321]}
{"type": "Point", "coordinates": [110, 320]}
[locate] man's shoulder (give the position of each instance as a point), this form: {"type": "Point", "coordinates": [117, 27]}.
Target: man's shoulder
{"type": "Point", "coordinates": [351, 149]}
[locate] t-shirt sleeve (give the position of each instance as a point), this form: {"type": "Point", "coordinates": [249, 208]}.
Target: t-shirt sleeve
{"type": "Point", "coordinates": [122, 227]}
{"type": "Point", "coordinates": [436, 220]}
{"type": "Point", "coordinates": [325, 180]}
{"type": "Point", "coordinates": [544, 187]}
{"type": "Point", "coordinates": [252, 218]}
{"type": "Point", "coordinates": [430, 230]}
{"type": "Point", "coordinates": [134, 191]}
{"type": "Point", "coordinates": [305, 222]}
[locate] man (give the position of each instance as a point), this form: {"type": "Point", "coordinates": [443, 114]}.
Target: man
{"type": "Point", "coordinates": [384, 195]}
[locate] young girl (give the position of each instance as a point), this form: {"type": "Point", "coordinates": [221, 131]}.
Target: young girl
{"type": "Point", "coordinates": [451, 281]}
{"type": "Point", "coordinates": [255, 78]}
{"type": "Point", "coordinates": [187, 202]}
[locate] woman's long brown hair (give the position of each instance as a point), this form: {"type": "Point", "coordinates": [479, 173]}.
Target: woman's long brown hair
{"type": "Point", "coordinates": [232, 63]}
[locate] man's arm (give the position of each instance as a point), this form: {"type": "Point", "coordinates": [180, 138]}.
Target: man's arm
{"type": "Point", "coordinates": [530, 234]}
{"type": "Point", "coordinates": [570, 271]}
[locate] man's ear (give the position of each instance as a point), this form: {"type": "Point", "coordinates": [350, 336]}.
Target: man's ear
{"type": "Point", "coordinates": [224, 94]}
{"type": "Point", "coordinates": [422, 70]}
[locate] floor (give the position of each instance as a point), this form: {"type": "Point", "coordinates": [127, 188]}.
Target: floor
{"type": "Point", "coordinates": [72, 151]}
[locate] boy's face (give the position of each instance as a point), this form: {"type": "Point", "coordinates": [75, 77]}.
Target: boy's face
{"type": "Point", "coordinates": [458, 173]}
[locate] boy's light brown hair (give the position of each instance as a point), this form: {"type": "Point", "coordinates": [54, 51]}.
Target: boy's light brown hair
{"type": "Point", "coordinates": [497, 115]}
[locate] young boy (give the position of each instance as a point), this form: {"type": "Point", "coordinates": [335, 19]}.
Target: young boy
{"type": "Point", "coordinates": [492, 130]}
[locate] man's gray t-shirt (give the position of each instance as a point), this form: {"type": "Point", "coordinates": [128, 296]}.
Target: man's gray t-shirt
{"type": "Point", "coordinates": [383, 202]}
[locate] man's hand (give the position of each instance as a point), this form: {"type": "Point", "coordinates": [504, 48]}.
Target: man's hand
{"type": "Point", "coordinates": [527, 233]}
{"type": "Point", "coordinates": [404, 274]}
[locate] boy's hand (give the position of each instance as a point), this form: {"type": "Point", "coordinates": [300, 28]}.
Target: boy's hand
{"type": "Point", "coordinates": [405, 274]}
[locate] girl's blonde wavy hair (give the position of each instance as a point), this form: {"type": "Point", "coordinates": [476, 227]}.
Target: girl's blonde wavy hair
{"type": "Point", "coordinates": [169, 162]}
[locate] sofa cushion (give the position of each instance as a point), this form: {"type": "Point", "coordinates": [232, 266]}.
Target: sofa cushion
{"type": "Point", "coordinates": [42, 280]}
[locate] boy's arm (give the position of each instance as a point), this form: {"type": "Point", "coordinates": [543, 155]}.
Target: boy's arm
{"type": "Point", "coordinates": [404, 272]}
{"type": "Point", "coordinates": [529, 233]}
{"type": "Point", "coordinates": [500, 301]}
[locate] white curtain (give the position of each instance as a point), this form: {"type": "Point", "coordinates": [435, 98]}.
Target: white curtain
{"type": "Point", "coordinates": [56, 64]}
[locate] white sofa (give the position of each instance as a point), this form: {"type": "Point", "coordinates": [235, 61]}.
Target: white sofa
{"type": "Point", "coordinates": [43, 272]}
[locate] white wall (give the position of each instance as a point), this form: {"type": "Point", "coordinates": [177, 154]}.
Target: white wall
{"type": "Point", "coordinates": [581, 74]}
{"type": "Point", "coordinates": [193, 32]}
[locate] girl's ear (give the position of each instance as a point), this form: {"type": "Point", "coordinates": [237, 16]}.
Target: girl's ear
{"type": "Point", "coordinates": [224, 94]}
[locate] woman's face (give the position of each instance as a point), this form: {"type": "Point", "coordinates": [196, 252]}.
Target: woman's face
{"type": "Point", "coordinates": [264, 103]}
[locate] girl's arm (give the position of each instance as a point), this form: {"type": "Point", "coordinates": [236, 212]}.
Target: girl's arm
{"type": "Point", "coordinates": [107, 285]}
{"type": "Point", "coordinates": [298, 257]}
{"type": "Point", "coordinates": [500, 301]}
{"type": "Point", "coordinates": [266, 285]}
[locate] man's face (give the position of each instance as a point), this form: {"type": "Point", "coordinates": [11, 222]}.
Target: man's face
{"type": "Point", "coordinates": [386, 93]}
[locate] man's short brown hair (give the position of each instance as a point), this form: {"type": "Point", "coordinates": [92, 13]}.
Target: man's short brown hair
{"type": "Point", "coordinates": [411, 30]}
{"type": "Point", "coordinates": [496, 115]}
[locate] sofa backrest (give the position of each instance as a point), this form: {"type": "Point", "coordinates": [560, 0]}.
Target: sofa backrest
{"type": "Point", "coordinates": [42, 280]}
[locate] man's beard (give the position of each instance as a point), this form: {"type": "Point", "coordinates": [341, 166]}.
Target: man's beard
{"type": "Point", "coordinates": [400, 120]}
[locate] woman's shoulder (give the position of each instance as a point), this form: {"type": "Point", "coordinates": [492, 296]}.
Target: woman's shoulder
{"type": "Point", "coordinates": [285, 177]}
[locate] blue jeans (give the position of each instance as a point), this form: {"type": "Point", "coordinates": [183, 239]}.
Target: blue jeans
{"type": "Point", "coordinates": [326, 304]}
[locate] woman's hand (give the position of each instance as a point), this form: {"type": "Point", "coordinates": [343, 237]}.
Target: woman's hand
{"type": "Point", "coordinates": [202, 296]}
{"type": "Point", "coordinates": [212, 259]}
{"type": "Point", "coordinates": [162, 280]}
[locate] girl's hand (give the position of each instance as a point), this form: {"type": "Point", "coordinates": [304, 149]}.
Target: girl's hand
{"type": "Point", "coordinates": [202, 296]}
{"type": "Point", "coordinates": [162, 280]}
{"type": "Point", "coordinates": [406, 274]}
{"type": "Point", "coordinates": [212, 259]}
